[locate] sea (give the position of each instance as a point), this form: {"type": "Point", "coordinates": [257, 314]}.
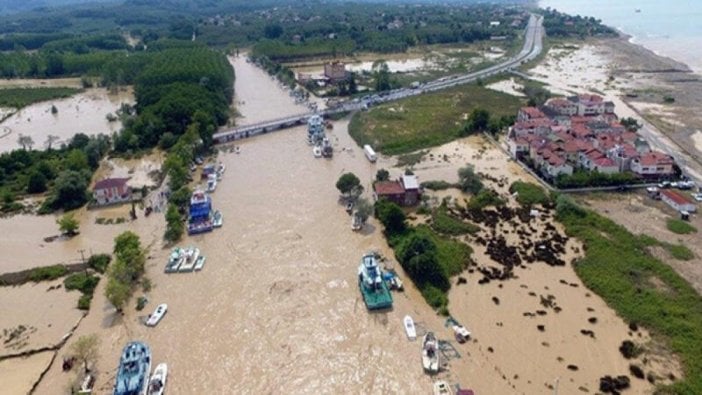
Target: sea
{"type": "Point", "coordinates": [671, 28]}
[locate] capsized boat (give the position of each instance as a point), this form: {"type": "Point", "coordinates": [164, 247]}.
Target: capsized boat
{"type": "Point", "coordinates": [191, 256]}
{"type": "Point", "coordinates": [157, 384]}
{"type": "Point", "coordinates": [442, 388]}
{"type": "Point", "coordinates": [175, 260]}
{"type": "Point", "coordinates": [430, 353]}
{"type": "Point", "coordinates": [155, 318]}
{"type": "Point", "coordinates": [133, 371]}
{"type": "Point", "coordinates": [410, 328]}
{"type": "Point", "coordinates": [461, 333]}
{"type": "Point", "coordinates": [375, 292]}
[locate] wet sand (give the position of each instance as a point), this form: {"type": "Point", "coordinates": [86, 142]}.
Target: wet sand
{"type": "Point", "coordinates": [277, 305]}
{"type": "Point", "coordinates": [81, 113]}
{"type": "Point", "coordinates": [20, 374]}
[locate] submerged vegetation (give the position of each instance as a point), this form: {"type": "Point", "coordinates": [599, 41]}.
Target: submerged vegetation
{"type": "Point", "coordinates": [641, 288]}
{"type": "Point", "coordinates": [22, 97]}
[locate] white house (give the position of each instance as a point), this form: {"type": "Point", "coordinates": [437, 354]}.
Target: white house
{"type": "Point", "coordinates": [112, 190]}
{"type": "Point", "coordinates": [678, 201]}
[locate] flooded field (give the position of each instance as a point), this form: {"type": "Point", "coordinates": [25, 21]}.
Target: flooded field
{"type": "Point", "coordinates": [82, 113]}
{"type": "Point", "coordinates": [277, 304]}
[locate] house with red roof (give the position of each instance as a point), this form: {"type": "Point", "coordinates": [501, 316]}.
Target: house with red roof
{"type": "Point", "coordinates": [404, 191]}
{"type": "Point", "coordinates": [678, 201]}
{"type": "Point", "coordinates": [653, 164]}
{"type": "Point", "coordinates": [537, 127]}
{"type": "Point", "coordinates": [605, 165]}
{"type": "Point", "coordinates": [527, 113]}
{"type": "Point", "coordinates": [562, 106]}
{"type": "Point", "coordinates": [112, 191]}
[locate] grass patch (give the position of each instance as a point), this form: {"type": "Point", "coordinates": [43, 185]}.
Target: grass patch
{"type": "Point", "coordinates": [485, 198]}
{"type": "Point", "coordinates": [99, 262]}
{"type": "Point", "coordinates": [22, 97]}
{"type": "Point", "coordinates": [47, 273]}
{"type": "Point", "coordinates": [679, 226]}
{"type": "Point", "coordinates": [680, 252]}
{"type": "Point", "coordinates": [426, 120]}
{"type": "Point", "coordinates": [618, 268]}
{"type": "Point", "coordinates": [438, 185]}
{"type": "Point", "coordinates": [445, 223]}
{"type": "Point", "coordinates": [529, 194]}
{"type": "Point", "coordinates": [410, 159]}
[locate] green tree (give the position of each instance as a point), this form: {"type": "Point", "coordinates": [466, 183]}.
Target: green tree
{"type": "Point", "coordinates": [468, 180]}
{"type": "Point", "coordinates": [382, 175]}
{"type": "Point", "coordinates": [174, 224]}
{"type": "Point", "coordinates": [70, 190]}
{"type": "Point", "coordinates": [37, 182]}
{"type": "Point", "coordinates": [363, 210]}
{"type": "Point", "coordinates": [391, 216]}
{"type": "Point", "coordinates": [68, 224]}
{"type": "Point", "coordinates": [117, 293]}
{"type": "Point", "coordinates": [76, 160]}
{"type": "Point", "coordinates": [630, 124]}
{"type": "Point", "coordinates": [381, 74]}
{"type": "Point", "coordinates": [25, 141]}
{"type": "Point", "coordinates": [417, 254]}
{"type": "Point", "coordinates": [273, 31]}
{"type": "Point", "coordinates": [85, 349]}
{"type": "Point", "coordinates": [477, 121]}
{"type": "Point", "coordinates": [349, 184]}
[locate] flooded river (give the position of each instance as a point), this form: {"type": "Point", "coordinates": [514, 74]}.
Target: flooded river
{"type": "Point", "coordinates": [277, 307]}
{"type": "Point", "coordinates": [81, 113]}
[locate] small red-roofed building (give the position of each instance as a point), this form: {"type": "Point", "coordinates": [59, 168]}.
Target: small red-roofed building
{"type": "Point", "coordinates": [562, 106]}
{"type": "Point", "coordinates": [112, 191]}
{"type": "Point", "coordinates": [527, 113]}
{"type": "Point", "coordinates": [678, 201]}
{"type": "Point", "coordinates": [537, 127]}
{"type": "Point", "coordinates": [605, 165]}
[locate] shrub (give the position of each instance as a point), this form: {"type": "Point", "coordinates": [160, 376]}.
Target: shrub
{"type": "Point", "coordinates": [391, 216]}
{"type": "Point", "coordinates": [99, 262]}
{"type": "Point", "coordinates": [81, 282]}
{"type": "Point", "coordinates": [84, 302]}
{"type": "Point", "coordinates": [485, 198]}
{"type": "Point", "coordinates": [47, 273]}
{"type": "Point", "coordinates": [680, 227]}
{"type": "Point", "coordinates": [680, 252]}
{"type": "Point", "coordinates": [434, 297]}
{"type": "Point", "coordinates": [437, 185]}
{"type": "Point", "coordinates": [468, 180]}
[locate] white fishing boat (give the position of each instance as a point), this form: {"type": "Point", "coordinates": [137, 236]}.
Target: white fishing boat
{"type": "Point", "coordinates": [461, 333]}
{"type": "Point", "coordinates": [157, 384]}
{"type": "Point", "coordinates": [410, 328]}
{"type": "Point", "coordinates": [356, 223]}
{"type": "Point", "coordinates": [397, 283]}
{"type": "Point", "coordinates": [442, 388]}
{"type": "Point", "coordinates": [200, 263]}
{"type": "Point", "coordinates": [155, 318]}
{"type": "Point", "coordinates": [191, 256]}
{"type": "Point", "coordinates": [317, 151]}
{"type": "Point", "coordinates": [430, 353]}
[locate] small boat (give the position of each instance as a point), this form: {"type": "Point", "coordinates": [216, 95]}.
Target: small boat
{"type": "Point", "coordinates": [134, 369]}
{"type": "Point", "coordinates": [237, 149]}
{"type": "Point", "coordinates": [349, 207]}
{"type": "Point", "coordinates": [317, 151]}
{"type": "Point", "coordinates": [155, 318]}
{"type": "Point", "coordinates": [461, 333]}
{"type": "Point", "coordinates": [374, 290]}
{"type": "Point", "coordinates": [191, 256]}
{"type": "Point", "coordinates": [397, 284]}
{"type": "Point", "coordinates": [157, 384]}
{"type": "Point", "coordinates": [217, 219]}
{"type": "Point", "coordinates": [211, 183]}
{"type": "Point", "coordinates": [199, 263]}
{"type": "Point", "coordinates": [430, 353]}
{"type": "Point", "coordinates": [221, 168]}
{"type": "Point", "coordinates": [442, 388]}
{"type": "Point", "coordinates": [327, 149]}
{"type": "Point", "coordinates": [410, 328]}
{"type": "Point", "coordinates": [175, 260]}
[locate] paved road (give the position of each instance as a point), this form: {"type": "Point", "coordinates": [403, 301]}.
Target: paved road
{"type": "Point", "coordinates": [531, 49]}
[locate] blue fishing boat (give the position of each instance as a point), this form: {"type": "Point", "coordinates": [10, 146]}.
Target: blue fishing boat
{"type": "Point", "coordinates": [134, 370]}
{"type": "Point", "coordinates": [375, 291]}
{"type": "Point", "coordinates": [200, 218]}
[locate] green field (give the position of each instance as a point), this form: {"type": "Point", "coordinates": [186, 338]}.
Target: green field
{"type": "Point", "coordinates": [426, 120]}
{"type": "Point", "coordinates": [22, 97]}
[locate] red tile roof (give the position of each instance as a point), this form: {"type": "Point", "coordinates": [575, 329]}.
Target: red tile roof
{"type": "Point", "coordinates": [594, 154]}
{"type": "Point", "coordinates": [654, 158]}
{"type": "Point", "coordinates": [108, 183]}
{"type": "Point", "coordinates": [388, 188]}
{"type": "Point", "coordinates": [676, 197]}
{"type": "Point", "coordinates": [590, 98]}
{"type": "Point", "coordinates": [555, 103]}
{"type": "Point", "coordinates": [532, 112]}
{"type": "Point", "coordinates": [605, 162]}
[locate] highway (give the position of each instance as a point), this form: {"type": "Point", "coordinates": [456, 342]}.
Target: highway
{"type": "Point", "coordinates": [531, 49]}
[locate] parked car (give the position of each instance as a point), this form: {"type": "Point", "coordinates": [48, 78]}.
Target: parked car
{"type": "Point", "coordinates": [697, 196]}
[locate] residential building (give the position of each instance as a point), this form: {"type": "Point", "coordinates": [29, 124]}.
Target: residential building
{"type": "Point", "coordinates": [412, 191]}
{"type": "Point", "coordinates": [653, 165]}
{"type": "Point", "coordinates": [336, 71]}
{"type": "Point", "coordinates": [112, 191]}
{"type": "Point", "coordinates": [404, 191]}
{"type": "Point", "coordinates": [527, 113]}
{"type": "Point", "coordinates": [678, 201]}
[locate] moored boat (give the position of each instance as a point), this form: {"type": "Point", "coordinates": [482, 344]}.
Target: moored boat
{"type": "Point", "coordinates": [157, 384]}
{"type": "Point", "coordinates": [356, 223]}
{"type": "Point", "coordinates": [191, 256]}
{"type": "Point", "coordinates": [376, 294]}
{"type": "Point", "coordinates": [461, 333]}
{"type": "Point", "coordinates": [199, 263]}
{"type": "Point", "coordinates": [155, 318]}
{"type": "Point", "coordinates": [200, 213]}
{"type": "Point", "coordinates": [327, 149]}
{"type": "Point", "coordinates": [174, 260]}
{"type": "Point", "coordinates": [410, 328]}
{"type": "Point", "coordinates": [442, 388]}
{"type": "Point", "coordinates": [211, 183]}
{"type": "Point", "coordinates": [134, 369]}
{"type": "Point", "coordinates": [317, 151]}
{"type": "Point", "coordinates": [430, 353]}
{"type": "Point", "coordinates": [217, 219]}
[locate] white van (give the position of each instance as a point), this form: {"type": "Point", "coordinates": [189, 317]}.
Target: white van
{"type": "Point", "coordinates": [370, 154]}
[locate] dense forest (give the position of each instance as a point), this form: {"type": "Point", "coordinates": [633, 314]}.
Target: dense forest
{"type": "Point", "coordinates": [558, 24]}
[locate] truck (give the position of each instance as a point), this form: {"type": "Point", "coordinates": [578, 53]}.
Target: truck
{"type": "Point", "coordinates": [370, 153]}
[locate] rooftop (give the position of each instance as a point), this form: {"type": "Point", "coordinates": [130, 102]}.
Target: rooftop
{"type": "Point", "coordinates": [410, 182]}
{"type": "Point", "coordinates": [675, 197]}
{"type": "Point", "coordinates": [108, 183]}
{"type": "Point", "coordinates": [388, 188]}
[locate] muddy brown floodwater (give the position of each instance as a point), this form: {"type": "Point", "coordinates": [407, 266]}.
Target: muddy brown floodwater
{"type": "Point", "coordinates": [81, 113]}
